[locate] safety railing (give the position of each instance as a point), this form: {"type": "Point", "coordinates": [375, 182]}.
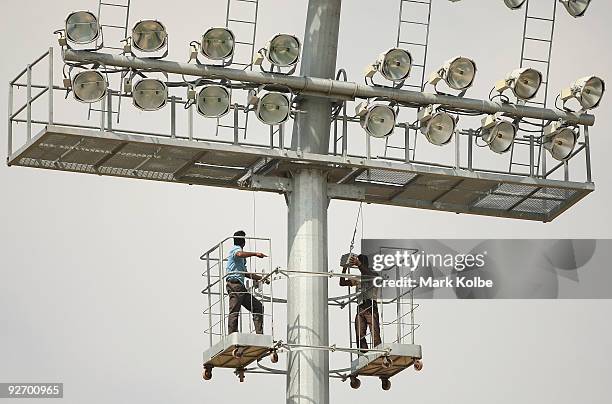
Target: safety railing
{"type": "Point", "coordinates": [216, 307]}
{"type": "Point", "coordinates": [181, 124]}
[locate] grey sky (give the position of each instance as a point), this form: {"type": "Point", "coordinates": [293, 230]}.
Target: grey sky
{"type": "Point", "coordinates": [100, 278]}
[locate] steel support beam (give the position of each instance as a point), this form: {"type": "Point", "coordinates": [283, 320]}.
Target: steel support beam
{"type": "Point", "coordinates": [329, 88]}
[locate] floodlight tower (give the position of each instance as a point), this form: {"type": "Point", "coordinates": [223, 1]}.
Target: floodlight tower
{"type": "Point", "coordinates": [307, 308]}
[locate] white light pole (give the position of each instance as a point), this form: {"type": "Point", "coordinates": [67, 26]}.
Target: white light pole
{"type": "Point", "coordinates": [307, 309]}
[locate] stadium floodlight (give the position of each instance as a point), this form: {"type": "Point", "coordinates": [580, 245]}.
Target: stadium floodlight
{"type": "Point", "coordinates": [437, 126]}
{"type": "Point", "coordinates": [218, 44]}
{"type": "Point", "coordinates": [377, 118]}
{"type": "Point", "coordinates": [394, 65]}
{"type": "Point", "coordinates": [459, 73]}
{"type": "Point", "coordinates": [560, 140]}
{"type": "Point", "coordinates": [82, 27]}
{"type": "Point", "coordinates": [150, 94]}
{"type": "Point", "coordinates": [498, 134]}
{"type": "Point", "coordinates": [576, 8]}
{"type": "Point", "coordinates": [524, 83]}
{"type": "Point", "coordinates": [514, 4]}
{"type": "Point", "coordinates": [271, 108]}
{"type": "Point", "coordinates": [89, 86]}
{"type": "Point", "coordinates": [214, 101]}
{"type": "Point", "coordinates": [588, 91]}
{"type": "Point", "coordinates": [149, 36]}
{"type": "Point", "coordinates": [284, 50]}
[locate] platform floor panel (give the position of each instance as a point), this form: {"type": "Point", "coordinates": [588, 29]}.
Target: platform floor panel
{"type": "Point", "coordinates": [401, 357]}
{"type": "Point", "coordinates": [236, 166]}
{"type": "Point", "coordinates": [253, 347]}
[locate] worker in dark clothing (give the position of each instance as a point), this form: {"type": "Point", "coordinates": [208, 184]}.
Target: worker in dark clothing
{"type": "Point", "coordinates": [367, 309]}
{"type": "Point", "coordinates": [235, 285]}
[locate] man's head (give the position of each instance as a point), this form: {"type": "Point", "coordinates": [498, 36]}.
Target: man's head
{"type": "Point", "coordinates": [239, 239]}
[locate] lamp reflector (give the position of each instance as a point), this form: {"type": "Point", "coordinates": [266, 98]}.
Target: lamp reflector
{"type": "Point", "coordinates": [150, 94]}
{"type": "Point", "coordinates": [218, 43]}
{"type": "Point", "coordinates": [214, 101]}
{"type": "Point", "coordinates": [439, 129]}
{"type": "Point", "coordinates": [500, 137]}
{"type": "Point", "coordinates": [378, 120]}
{"type": "Point", "coordinates": [588, 91]}
{"type": "Point", "coordinates": [460, 73]}
{"type": "Point", "coordinates": [395, 64]}
{"type": "Point", "coordinates": [82, 27]}
{"type": "Point", "coordinates": [514, 4]}
{"type": "Point", "coordinates": [273, 108]}
{"type": "Point", "coordinates": [149, 36]}
{"type": "Point", "coordinates": [576, 8]}
{"type": "Point", "coordinates": [89, 86]}
{"type": "Point", "coordinates": [284, 50]}
{"type": "Point", "coordinates": [560, 141]}
{"type": "Point", "coordinates": [525, 82]}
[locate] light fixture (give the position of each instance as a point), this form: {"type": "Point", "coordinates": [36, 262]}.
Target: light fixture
{"type": "Point", "coordinates": [214, 101]}
{"type": "Point", "coordinates": [560, 140]}
{"type": "Point", "coordinates": [498, 134]}
{"type": "Point", "coordinates": [272, 108]}
{"type": "Point", "coordinates": [149, 36]}
{"type": "Point", "coordinates": [588, 91]}
{"type": "Point", "coordinates": [576, 8]}
{"type": "Point", "coordinates": [150, 94]}
{"type": "Point", "coordinates": [89, 86]}
{"type": "Point", "coordinates": [524, 83]}
{"type": "Point", "coordinates": [459, 73]}
{"type": "Point", "coordinates": [283, 50]}
{"type": "Point", "coordinates": [82, 27]}
{"type": "Point", "coordinates": [437, 126]}
{"type": "Point", "coordinates": [514, 4]}
{"type": "Point", "coordinates": [377, 118]}
{"type": "Point", "coordinates": [218, 44]}
{"type": "Point", "coordinates": [393, 65]}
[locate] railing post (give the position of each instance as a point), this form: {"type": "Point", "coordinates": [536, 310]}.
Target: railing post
{"type": "Point", "coordinates": [29, 101]}
{"type": "Point", "coordinates": [281, 136]}
{"type": "Point", "coordinates": [471, 151]}
{"type": "Point", "coordinates": [190, 122]}
{"type": "Point", "coordinates": [10, 121]}
{"type": "Point", "coordinates": [457, 150]}
{"type": "Point", "coordinates": [236, 120]}
{"type": "Point", "coordinates": [109, 110]}
{"type": "Point", "coordinates": [587, 151]}
{"type": "Point", "coordinates": [344, 131]}
{"type": "Point", "coordinates": [51, 86]}
{"type": "Point", "coordinates": [531, 155]}
{"type": "Point", "coordinates": [407, 141]}
{"type": "Point", "coordinates": [102, 115]}
{"type": "Point", "coordinates": [173, 117]}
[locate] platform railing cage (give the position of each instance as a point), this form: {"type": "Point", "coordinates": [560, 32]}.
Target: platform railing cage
{"type": "Point", "coordinates": [395, 310]}
{"type": "Point", "coordinates": [216, 297]}
{"type": "Point", "coordinates": [42, 96]}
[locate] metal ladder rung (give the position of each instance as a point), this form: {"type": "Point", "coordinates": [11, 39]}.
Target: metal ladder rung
{"type": "Point", "coordinates": [529, 38]}
{"type": "Point", "coordinates": [536, 60]}
{"type": "Point", "coordinates": [412, 43]}
{"type": "Point", "coordinates": [112, 26]}
{"type": "Point", "coordinates": [115, 5]}
{"type": "Point", "coordinates": [413, 22]}
{"type": "Point", "coordinates": [539, 18]}
{"type": "Point", "coordinates": [232, 127]}
{"type": "Point", "coordinates": [241, 21]}
{"type": "Point", "coordinates": [244, 43]}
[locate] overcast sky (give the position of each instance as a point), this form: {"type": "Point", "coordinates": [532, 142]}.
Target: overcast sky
{"type": "Point", "coordinates": [100, 277]}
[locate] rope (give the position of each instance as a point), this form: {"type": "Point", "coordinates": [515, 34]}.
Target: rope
{"type": "Point", "coordinates": [356, 227]}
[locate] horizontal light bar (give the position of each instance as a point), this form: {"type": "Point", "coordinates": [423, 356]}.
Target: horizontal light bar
{"type": "Point", "coordinates": [329, 88]}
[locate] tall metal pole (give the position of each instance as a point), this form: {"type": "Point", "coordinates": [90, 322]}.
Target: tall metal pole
{"type": "Point", "coordinates": [307, 309]}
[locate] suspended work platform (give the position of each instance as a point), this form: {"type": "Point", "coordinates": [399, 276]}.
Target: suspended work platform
{"type": "Point", "coordinates": [384, 365]}
{"type": "Point", "coordinates": [237, 351]}
{"type": "Point", "coordinates": [243, 166]}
